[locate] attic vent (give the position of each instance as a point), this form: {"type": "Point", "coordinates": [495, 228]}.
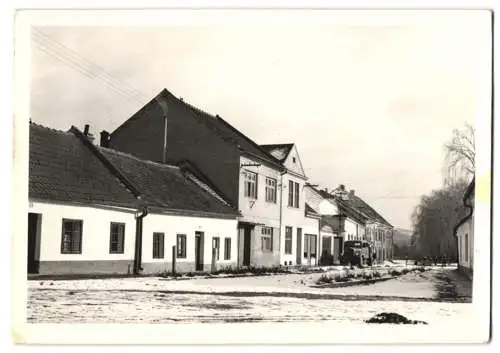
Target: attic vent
{"type": "Point", "coordinates": [293, 159]}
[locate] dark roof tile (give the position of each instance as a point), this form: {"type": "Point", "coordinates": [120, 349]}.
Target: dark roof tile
{"type": "Point", "coordinates": [167, 187]}
{"type": "Point", "coordinates": [62, 169]}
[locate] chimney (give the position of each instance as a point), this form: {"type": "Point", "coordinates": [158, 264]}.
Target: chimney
{"type": "Point", "coordinates": [342, 187]}
{"type": "Point", "coordinates": [104, 138]}
{"type": "Point", "coordinates": [351, 193]}
{"type": "Point", "coordinates": [325, 190]}
{"type": "Point", "coordinates": [87, 134]}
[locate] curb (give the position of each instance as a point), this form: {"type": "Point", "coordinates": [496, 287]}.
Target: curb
{"type": "Point", "coordinates": [353, 283]}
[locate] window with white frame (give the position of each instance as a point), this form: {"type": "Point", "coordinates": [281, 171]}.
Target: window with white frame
{"type": "Point", "coordinates": [293, 194]}
{"type": "Point", "coordinates": [227, 248]}
{"type": "Point", "coordinates": [181, 246]}
{"type": "Point", "coordinates": [71, 242]}
{"type": "Point", "coordinates": [271, 189]}
{"type": "Point", "coordinates": [267, 239]}
{"type": "Point", "coordinates": [216, 245]}
{"type": "Point", "coordinates": [250, 184]}
{"type": "Point", "coordinates": [288, 240]}
{"type": "Point", "coordinates": [116, 238]}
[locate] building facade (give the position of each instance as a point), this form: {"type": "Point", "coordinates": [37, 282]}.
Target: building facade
{"type": "Point", "coordinates": [464, 232]}
{"type": "Point", "coordinates": [96, 211]}
{"type": "Point", "coordinates": [168, 130]}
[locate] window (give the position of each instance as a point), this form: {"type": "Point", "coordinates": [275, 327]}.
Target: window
{"type": "Point", "coordinates": [71, 242]}
{"type": "Point", "coordinates": [116, 238]}
{"type": "Point", "coordinates": [267, 239]}
{"type": "Point", "coordinates": [216, 246]}
{"type": "Point", "coordinates": [271, 190]}
{"type": "Point", "coordinates": [293, 159]}
{"type": "Point", "coordinates": [181, 246]}
{"type": "Point", "coordinates": [293, 194]}
{"type": "Point", "coordinates": [250, 184]}
{"type": "Point", "coordinates": [158, 245]}
{"type": "Point", "coordinates": [309, 245]}
{"type": "Point", "coordinates": [466, 247]}
{"type": "Point", "coordinates": [297, 193]}
{"type": "Point", "coordinates": [288, 240]}
{"type": "Point", "coordinates": [227, 249]}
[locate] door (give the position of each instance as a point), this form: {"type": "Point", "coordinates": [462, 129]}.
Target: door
{"type": "Point", "coordinates": [310, 248]}
{"type": "Point", "coordinates": [247, 234]}
{"type": "Point", "coordinates": [326, 251]}
{"type": "Point", "coordinates": [198, 251]}
{"type": "Point", "coordinates": [337, 249]}
{"type": "Point", "coordinates": [33, 242]}
{"type": "Point", "coordinates": [299, 246]}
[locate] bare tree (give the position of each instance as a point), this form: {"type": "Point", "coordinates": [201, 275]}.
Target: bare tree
{"type": "Point", "coordinates": [461, 152]}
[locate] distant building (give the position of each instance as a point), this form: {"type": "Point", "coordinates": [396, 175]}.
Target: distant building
{"type": "Point", "coordinates": [464, 232]}
{"type": "Point", "coordinates": [339, 222]}
{"type": "Point", "coordinates": [93, 210]}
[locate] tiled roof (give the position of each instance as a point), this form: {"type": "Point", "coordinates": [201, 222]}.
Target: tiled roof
{"type": "Point", "coordinates": [365, 208]}
{"type": "Point", "coordinates": [167, 187]}
{"type": "Point", "coordinates": [224, 129]}
{"type": "Point", "coordinates": [278, 151]}
{"type": "Point", "coordinates": [310, 211]}
{"type": "Point", "coordinates": [358, 205]}
{"type": "Point", "coordinates": [62, 168]}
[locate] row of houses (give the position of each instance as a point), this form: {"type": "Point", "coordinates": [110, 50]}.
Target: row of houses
{"type": "Point", "coordinates": [175, 188]}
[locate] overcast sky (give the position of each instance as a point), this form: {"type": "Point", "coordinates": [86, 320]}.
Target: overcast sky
{"type": "Point", "coordinates": [367, 106]}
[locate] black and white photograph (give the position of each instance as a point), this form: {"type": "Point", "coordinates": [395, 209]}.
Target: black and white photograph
{"type": "Point", "coordinates": [241, 168]}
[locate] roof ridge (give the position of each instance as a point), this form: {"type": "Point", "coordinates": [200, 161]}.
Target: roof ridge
{"type": "Point", "coordinates": [249, 140]}
{"type": "Point", "coordinates": [124, 154]}
{"type": "Point", "coordinates": [50, 128]}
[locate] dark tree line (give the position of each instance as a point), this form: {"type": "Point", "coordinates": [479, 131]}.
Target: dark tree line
{"type": "Point", "coordinates": [437, 214]}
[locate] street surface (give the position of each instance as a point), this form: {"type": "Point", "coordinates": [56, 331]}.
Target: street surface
{"type": "Point", "coordinates": [438, 296]}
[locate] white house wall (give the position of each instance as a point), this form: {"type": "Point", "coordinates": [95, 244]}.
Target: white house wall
{"type": "Point", "coordinates": [258, 210]}
{"type": "Point", "coordinates": [295, 218]}
{"type": "Point", "coordinates": [171, 225]}
{"type": "Point", "coordinates": [319, 204]}
{"type": "Point", "coordinates": [95, 256]}
{"type": "Point", "coordinates": [293, 162]}
{"type": "Point", "coordinates": [466, 253]}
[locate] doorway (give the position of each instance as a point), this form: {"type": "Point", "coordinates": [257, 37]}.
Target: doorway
{"type": "Point", "coordinates": [198, 250]}
{"type": "Point", "coordinates": [337, 249]}
{"type": "Point", "coordinates": [299, 246]}
{"type": "Point", "coordinates": [34, 225]}
{"type": "Point", "coordinates": [247, 236]}
{"type": "Point", "coordinates": [310, 247]}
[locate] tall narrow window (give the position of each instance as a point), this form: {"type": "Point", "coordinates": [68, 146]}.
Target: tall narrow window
{"type": "Point", "coordinates": [250, 184]}
{"type": "Point", "coordinates": [158, 245]}
{"type": "Point", "coordinates": [216, 245]}
{"type": "Point", "coordinates": [288, 240]}
{"type": "Point", "coordinates": [71, 242]}
{"type": "Point", "coordinates": [271, 190]}
{"type": "Point", "coordinates": [116, 238]}
{"type": "Point", "coordinates": [227, 249]}
{"type": "Point", "coordinates": [466, 243]}
{"type": "Point", "coordinates": [181, 246]}
{"type": "Point", "coordinates": [290, 193]}
{"type": "Point", "coordinates": [297, 193]}
{"type": "Point", "coordinates": [267, 239]}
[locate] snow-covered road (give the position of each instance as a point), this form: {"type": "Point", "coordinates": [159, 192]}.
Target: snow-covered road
{"type": "Point", "coordinates": [269, 298]}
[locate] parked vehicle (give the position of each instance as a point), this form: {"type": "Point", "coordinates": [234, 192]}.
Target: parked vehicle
{"type": "Point", "coordinates": [357, 252]}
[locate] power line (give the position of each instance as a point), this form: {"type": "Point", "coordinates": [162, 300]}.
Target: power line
{"type": "Point", "coordinates": [82, 68]}
{"type": "Point", "coordinates": [85, 61]}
